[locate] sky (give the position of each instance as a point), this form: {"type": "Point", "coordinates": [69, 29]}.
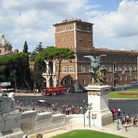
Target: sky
{"type": "Point", "coordinates": [115, 21]}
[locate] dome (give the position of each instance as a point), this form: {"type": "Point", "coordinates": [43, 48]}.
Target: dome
{"type": "Point", "coordinates": [3, 41]}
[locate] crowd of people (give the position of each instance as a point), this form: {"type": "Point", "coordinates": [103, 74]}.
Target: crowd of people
{"type": "Point", "coordinates": [66, 109]}
{"type": "Point", "coordinates": [69, 109]}
{"type": "Point", "coordinates": [124, 119]}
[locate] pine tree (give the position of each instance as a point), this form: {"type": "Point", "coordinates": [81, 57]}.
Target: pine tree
{"type": "Point", "coordinates": [25, 48]}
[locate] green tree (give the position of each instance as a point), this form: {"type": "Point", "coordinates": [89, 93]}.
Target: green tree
{"type": "Point", "coordinates": [17, 70]}
{"type": "Point", "coordinates": [54, 53]}
{"type": "Point", "coordinates": [63, 53]}
{"type": "Point", "coordinates": [25, 48]}
{"type": "Point", "coordinates": [39, 48]}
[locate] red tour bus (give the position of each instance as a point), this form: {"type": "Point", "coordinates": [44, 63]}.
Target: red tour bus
{"type": "Point", "coordinates": [57, 90]}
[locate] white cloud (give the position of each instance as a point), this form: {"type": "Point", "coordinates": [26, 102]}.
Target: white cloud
{"type": "Point", "coordinates": [31, 21]}
{"type": "Point", "coordinates": [118, 29]}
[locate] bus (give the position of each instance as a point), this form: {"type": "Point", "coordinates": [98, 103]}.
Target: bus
{"type": "Point", "coordinates": [52, 91]}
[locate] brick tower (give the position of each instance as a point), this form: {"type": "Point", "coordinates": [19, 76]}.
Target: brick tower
{"type": "Point", "coordinates": [78, 36]}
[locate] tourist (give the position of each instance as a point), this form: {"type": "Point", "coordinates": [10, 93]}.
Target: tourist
{"type": "Point", "coordinates": [117, 124]}
{"type": "Point", "coordinates": [115, 113]}
{"type": "Point", "coordinates": [126, 126]}
{"type": "Point", "coordinates": [123, 122]}
{"type": "Point", "coordinates": [119, 112]}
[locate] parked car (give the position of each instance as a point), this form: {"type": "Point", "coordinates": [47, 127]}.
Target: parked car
{"type": "Point", "coordinates": [42, 102]}
{"type": "Point", "coordinates": [7, 89]}
{"type": "Point", "coordinates": [23, 90]}
{"type": "Point", "coordinates": [80, 90]}
{"type": "Point", "coordinates": [124, 88]}
{"type": "Point", "coordinates": [112, 88]}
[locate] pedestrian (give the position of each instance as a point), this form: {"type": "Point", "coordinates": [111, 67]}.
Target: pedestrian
{"type": "Point", "coordinates": [128, 113]}
{"type": "Point", "coordinates": [117, 124]}
{"type": "Point", "coordinates": [123, 122]}
{"type": "Point", "coordinates": [119, 112]}
{"type": "Point", "coordinates": [126, 126]}
{"type": "Point", "coordinates": [115, 113]}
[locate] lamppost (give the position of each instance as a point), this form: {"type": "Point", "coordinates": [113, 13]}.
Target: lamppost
{"type": "Point", "coordinates": [86, 108]}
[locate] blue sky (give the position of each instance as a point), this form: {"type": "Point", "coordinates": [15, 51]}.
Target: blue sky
{"type": "Point", "coordinates": [106, 5]}
{"type": "Point", "coordinates": [115, 21]}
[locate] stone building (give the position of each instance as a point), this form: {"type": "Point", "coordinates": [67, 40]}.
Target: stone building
{"type": "Point", "coordinates": [5, 46]}
{"type": "Point", "coordinates": [78, 35]}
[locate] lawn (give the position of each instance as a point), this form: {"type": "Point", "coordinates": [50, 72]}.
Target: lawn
{"type": "Point", "coordinates": [130, 93]}
{"type": "Point", "coordinates": [86, 134]}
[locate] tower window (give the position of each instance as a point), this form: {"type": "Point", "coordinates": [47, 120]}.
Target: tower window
{"type": "Point", "coordinates": [71, 68]}
{"type": "Point", "coordinates": [83, 68]}
{"type": "Point", "coordinates": [88, 29]}
{"type": "Point", "coordinates": [70, 27]}
{"type": "Point", "coordinates": [79, 27]}
{"type": "Point", "coordinates": [89, 39]}
{"type": "Point", "coordinates": [58, 29]}
{"type": "Point", "coordinates": [70, 38]}
{"type": "Point", "coordinates": [64, 39]}
{"type": "Point", "coordinates": [58, 40]}
{"type": "Point", "coordinates": [80, 38]}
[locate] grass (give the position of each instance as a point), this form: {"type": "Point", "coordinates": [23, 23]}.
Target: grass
{"type": "Point", "coordinates": [86, 134]}
{"type": "Point", "coordinates": [127, 92]}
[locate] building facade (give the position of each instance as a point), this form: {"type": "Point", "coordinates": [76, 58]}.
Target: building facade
{"type": "Point", "coordinates": [78, 35]}
{"type": "Point", "coordinates": [5, 46]}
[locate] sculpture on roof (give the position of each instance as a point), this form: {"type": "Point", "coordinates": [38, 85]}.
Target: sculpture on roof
{"type": "Point", "coordinates": [97, 71]}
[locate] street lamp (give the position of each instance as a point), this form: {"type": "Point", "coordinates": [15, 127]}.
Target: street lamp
{"type": "Point", "coordinates": [86, 108]}
{"type": "Point", "coordinates": [89, 116]}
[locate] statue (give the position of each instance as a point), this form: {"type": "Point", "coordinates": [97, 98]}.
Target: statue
{"type": "Point", "coordinates": [98, 72]}
{"type": "Point", "coordinates": [12, 95]}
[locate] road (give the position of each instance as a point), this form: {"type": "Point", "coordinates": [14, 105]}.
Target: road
{"type": "Point", "coordinates": [78, 98]}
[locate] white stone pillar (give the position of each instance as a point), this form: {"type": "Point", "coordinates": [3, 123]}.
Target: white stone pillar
{"type": "Point", "coordinates": [47, 66]}
{"type": "Point", "coordinates": [100, 114]}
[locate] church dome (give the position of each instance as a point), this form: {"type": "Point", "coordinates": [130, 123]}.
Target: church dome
{"type": "Point", "coordinates": [3, 41]}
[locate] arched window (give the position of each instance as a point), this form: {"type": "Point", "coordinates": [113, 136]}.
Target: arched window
{"type": "Point", "coordinates": [58, 40]}
{"type": "Point", "coordinates": [70, 38]}
{"type": "Point", "coordinates": [83, 81]}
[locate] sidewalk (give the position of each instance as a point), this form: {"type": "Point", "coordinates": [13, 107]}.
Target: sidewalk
{"type": "Point", "coordinates": [27, 94]}
{"type": "Point", "coordinates": [111, 128]}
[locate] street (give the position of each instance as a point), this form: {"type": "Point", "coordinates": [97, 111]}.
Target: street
{"type": "Point", "coordinates": [77, 99]}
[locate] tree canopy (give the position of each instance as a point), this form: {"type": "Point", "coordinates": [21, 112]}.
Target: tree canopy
{"type": "Point", "coordinates": [15, 68]}
{"type": "Point", "coordinates": [55, 53]}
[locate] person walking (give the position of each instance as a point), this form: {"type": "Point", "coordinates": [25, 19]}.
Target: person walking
{"type": "Point", "coordinates": [115, 113]}
{"type": "Point", "coordinates": [119, 112]}
{"type": "Point", "coordinates": [126, 126]}
{"type": "Point", "coordinates": [118, 124]}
